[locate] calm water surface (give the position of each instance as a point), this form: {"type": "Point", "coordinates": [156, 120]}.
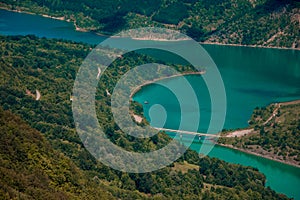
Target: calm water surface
{"type": "Point", "coordinates": [252, 77]}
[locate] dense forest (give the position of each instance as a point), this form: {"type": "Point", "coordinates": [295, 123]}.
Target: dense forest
{"type": "Point", "coordinates": [41, 152]}
{"type": "Point", "coordinates": [279, 138]}
{"type": "Point", "coordinates": [244, 22]}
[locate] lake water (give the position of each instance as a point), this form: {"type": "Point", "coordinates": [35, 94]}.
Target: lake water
{"type": "Point", "coordinates": [252, 77]}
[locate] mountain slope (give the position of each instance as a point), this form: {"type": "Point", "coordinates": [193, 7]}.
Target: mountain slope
{"type": "Point", "coordinates": [245, 22]}
{"type": "Point", "coordinates": [26, 67]}
{"type": "Point", "coordinates": [278, 138]}
{"type": "Point", "coordinates": [31, 169]}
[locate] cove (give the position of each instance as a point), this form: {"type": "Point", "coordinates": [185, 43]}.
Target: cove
{"type": "Point", "coordinates": [252, 77]}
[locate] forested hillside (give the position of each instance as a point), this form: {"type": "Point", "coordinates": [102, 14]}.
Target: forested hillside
{"type": "Point", "coordinates": [41, 152]}
{"type": "Point", "coordinates": [31, 169]}
{"type": "Point", "coordinates": [245, 22]}
{"type": "Point", "coordinates": [279, 138]}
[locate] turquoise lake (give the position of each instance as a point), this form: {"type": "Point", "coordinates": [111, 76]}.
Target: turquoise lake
{"type": "Point", "coordinates": [252, 77]}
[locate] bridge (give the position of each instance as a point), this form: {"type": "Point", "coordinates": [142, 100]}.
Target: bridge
{"type": "Point", "coordinates": [186, 132]}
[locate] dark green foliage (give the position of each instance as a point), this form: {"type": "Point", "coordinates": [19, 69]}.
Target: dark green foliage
{"type": "Point", "coordinates": [260, 22]}
{"type": "Point", "coordinates": [279, 138]}
{"type": "Point", "coordinates": [70, 171]}
{"type": "Point", "coordinates": [195, 32]}
{"type": "Point", "coordinates": [171, 14]}
{"type": "Point", "coordinates": [217, 172]}
{"type": "Point", "coordinates": [146, 7]}
{"type": "Point", "coordinates": [31, 169]}
{"type": "Point", "coordinates": [230, 175]}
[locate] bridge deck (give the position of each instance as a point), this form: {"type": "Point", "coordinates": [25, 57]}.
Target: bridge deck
{"type": "Point", "coordinates": [187, 132]}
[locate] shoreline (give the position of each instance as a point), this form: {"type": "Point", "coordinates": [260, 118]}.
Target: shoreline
{"type": "Point", "coordinates": [257, 154]}
{"type": "Point", "coordinates": [31, 13]}
{"type": "Point", "coordinates": [238, 133]}
{"type": "Point", "coordinates": [57, 18]}
{"type": "Point", "coordinates": [250, 46]}
{"type": "Point", "coordinates": [159, 39]}
{"type": "Point", "coordinates": [139, 87]}
{"type": "Point", "coordinates": [172, 76]}
{"type": "Point", "coordinates": [63, 18]}
{"type": "Point", "coordinates": [249, 130]}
